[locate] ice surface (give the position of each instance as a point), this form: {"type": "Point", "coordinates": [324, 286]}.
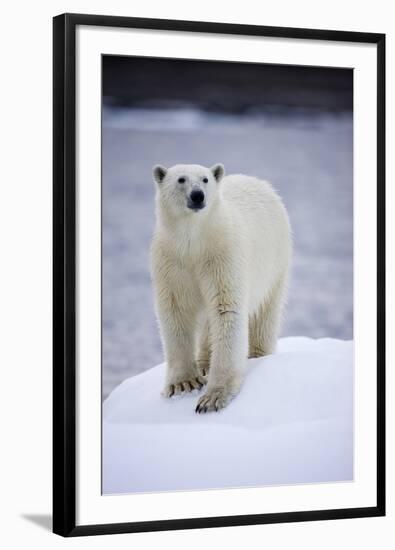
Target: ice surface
{"type": "Point", "coordinates": [291, 423]}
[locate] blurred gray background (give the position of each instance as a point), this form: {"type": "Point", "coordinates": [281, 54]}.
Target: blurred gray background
{"type": "Point", "coordinates": [290, 125]}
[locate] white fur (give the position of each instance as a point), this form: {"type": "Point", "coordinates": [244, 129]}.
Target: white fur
{"type": "Point", "coordinates": [219, 275]}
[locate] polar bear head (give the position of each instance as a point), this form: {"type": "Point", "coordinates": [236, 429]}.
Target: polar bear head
{"type": "Point", "coordinates": [187, 188]}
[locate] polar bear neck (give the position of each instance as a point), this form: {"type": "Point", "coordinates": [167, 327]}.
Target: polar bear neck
{"type": "Point", "coordinates": [190, 232]}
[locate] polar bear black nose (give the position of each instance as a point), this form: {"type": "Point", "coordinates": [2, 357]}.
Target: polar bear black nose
{"type": "Point", "coordinates": [197, 197]}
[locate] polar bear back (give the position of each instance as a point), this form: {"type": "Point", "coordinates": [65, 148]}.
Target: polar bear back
{"type": "Point", "coordinates": [248, 191]}
{"type": "Point", "coordinates": [262, 221]}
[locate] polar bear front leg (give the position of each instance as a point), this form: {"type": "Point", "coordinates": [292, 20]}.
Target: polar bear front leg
{"type": "Point", "coordinates": [177, 329]}
{"type": "Point", "coordinates": [229, 326]}
{"type": "Point", "coordinates": [182, 374]}
{"type": "Point", "coordinates": [177, 305]}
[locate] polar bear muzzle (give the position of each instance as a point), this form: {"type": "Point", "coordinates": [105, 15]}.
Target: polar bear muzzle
{"type": "Point", "coordinates": [196, 199]}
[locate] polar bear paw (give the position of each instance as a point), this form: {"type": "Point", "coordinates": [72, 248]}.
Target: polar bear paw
{"type": "Point", "coordinates": [184, 386]}
{"type": "Point", "coordinates": [213, 400]}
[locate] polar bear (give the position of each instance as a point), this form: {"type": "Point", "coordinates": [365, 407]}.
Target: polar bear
{"type": "Point", "coordinates": [220, 259]}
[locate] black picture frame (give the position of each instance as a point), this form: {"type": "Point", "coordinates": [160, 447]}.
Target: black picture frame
{"type": "Point", "coordinates": [64, 273]}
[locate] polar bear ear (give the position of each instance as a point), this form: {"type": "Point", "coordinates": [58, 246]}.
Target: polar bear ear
{"type": "Point", "coordinates": [159, 172]}
{"type": "Point", "coordinates": [218, 171]}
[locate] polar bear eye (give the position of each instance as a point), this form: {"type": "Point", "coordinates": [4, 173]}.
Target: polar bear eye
{"type": "Point", "coordinates": [205, 180]}
{"type": "Point", "coordinates": [181, 180]}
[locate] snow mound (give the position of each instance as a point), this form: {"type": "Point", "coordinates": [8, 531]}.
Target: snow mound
{"type": "Point", "coordinates": [291, 423]}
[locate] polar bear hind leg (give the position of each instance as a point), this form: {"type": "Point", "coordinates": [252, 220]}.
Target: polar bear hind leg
{"type": "Point", "coordinates": [264, 324]}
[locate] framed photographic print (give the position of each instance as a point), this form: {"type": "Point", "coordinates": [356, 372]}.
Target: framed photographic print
{"type": "Point", "coordinates": [219, 275]}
